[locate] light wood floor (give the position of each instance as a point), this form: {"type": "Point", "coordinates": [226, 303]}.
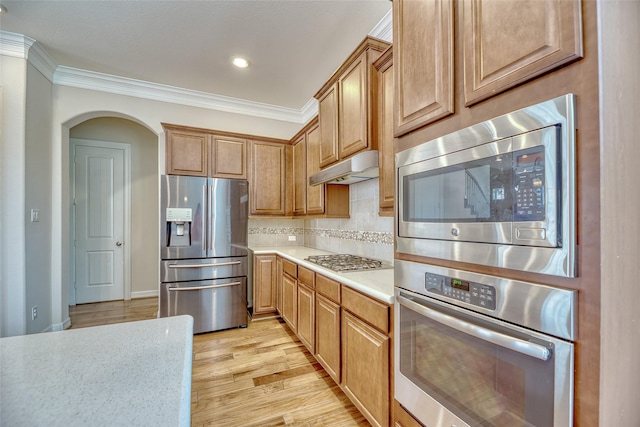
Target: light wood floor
{"type": "Point", "coordinates": [258, 376]}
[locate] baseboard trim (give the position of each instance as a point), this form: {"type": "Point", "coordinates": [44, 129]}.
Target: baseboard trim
{"type": "Point", "coordinates": [144, 294]}
{"type": "Point", "coordinates": [61, 326]}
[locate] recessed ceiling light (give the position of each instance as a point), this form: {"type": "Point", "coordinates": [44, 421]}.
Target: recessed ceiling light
{"type": "Point", "coordinates": [240, 62]}
{"type": "Point", "coordinates": [3, 9]}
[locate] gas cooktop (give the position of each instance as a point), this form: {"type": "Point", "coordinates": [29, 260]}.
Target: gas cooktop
{"type": "Point", "coordinates": [345, 262]}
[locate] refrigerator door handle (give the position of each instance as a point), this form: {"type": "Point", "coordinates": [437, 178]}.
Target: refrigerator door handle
{"type": "Point", "coordinates": [198, 288]}
{"type": "Point", "coordinates": [220, 264]}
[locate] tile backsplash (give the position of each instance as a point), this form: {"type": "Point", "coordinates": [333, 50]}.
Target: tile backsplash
{"type": "Point", "coordinates": [364, 233]}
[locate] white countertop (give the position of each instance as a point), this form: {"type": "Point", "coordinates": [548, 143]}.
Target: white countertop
{"type": "Point", "coordinates": [375, 283]}
{"type": "Point", "coordinates": [133, 374]}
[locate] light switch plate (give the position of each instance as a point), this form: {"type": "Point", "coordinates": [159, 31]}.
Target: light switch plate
{"type": "Point", "coordinates": [35, 215]}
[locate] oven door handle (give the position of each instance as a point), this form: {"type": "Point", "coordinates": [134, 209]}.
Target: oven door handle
{"type": "Point", "coordinates": [512, 343]}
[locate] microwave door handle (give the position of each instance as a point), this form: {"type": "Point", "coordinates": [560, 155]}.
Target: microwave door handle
{"type": "Point", "coordinates": [512, 343]}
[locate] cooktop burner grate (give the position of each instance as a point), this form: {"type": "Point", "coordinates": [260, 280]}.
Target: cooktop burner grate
{"type": "Point", "coordinates": [345, 262]}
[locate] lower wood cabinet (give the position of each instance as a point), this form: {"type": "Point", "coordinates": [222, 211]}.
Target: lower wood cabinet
{"type": "Point", "coordinates": [365, 368]}
{"type": "Point", "coordinates": [290, 301]}
{"type": "Point", "coordinates": [402, 418]}
{"type": "Point", "coordinates": [306, 317]}
{"type": "Point", "coordinates": [328, 336]}
{"type": "Point", "coordinates": [264, 284]}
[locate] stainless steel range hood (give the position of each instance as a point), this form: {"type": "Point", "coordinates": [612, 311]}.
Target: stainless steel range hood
{"type": "Point", "coordinates": [359, 167]}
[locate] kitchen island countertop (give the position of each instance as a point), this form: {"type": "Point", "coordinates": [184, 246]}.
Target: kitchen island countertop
{"type": "Point", "coordinates": [377, 283]}
{"type": "Point", "coordinates": [134, 374]}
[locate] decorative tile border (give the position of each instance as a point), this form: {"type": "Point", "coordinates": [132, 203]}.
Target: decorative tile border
{"type": "Point", "coordinates": [358, 236]}
{"type": "Point", "coordinates": [277, 230]}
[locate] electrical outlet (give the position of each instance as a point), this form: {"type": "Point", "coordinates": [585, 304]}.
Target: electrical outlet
{"type": "Point", "coordinates": [34, 312]}
{"type": "Point", "coordinates": [292, 238]}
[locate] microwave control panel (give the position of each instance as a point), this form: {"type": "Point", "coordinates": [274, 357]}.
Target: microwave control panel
{"type": "Point", "coordinates": [529, 185]}
{"type": "Point", "coordinates": [477, 294]}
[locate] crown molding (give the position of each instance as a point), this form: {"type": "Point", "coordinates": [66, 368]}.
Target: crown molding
{"type": "Point", "coordinates": [21, 46]}
{"type": "Point", "coordinates": [384, 29]}
{"type": "Point", "coordinates": [73, 77]}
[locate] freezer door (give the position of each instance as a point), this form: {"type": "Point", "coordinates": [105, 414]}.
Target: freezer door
{"type": "Point", "coordinates": [183, 217]}
{"type": "Point", "coordinates": [213, 304]}
{"type": "Point", "coordinates": [227, 228]}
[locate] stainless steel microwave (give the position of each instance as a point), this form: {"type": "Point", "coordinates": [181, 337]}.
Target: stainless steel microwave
{"type": "Point", "coordinates": [499, 193]}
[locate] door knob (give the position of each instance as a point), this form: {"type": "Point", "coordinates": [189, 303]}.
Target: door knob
{"type": "Point", "coordinates": [118, 244]}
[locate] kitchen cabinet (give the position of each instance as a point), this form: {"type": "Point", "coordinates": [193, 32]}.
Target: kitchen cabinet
{"type": "Point", "coordinates": [279, 285]}
{"type": "Point", "coordinates": [264, 284]}
{"type": "Point", "coordinates": [228, 157]}
{"type": "Point", "coordinates": [203, 152]}
{"type": "Point", "coordinates": [328, 326]}
{"type": "Point", "coordinates": [346, 104]}
{"type": "Point", "coordinates": [268, 190]}
{"type": "Point", "coordinates": [306, 308]}
{"type": "Point", "coordinates": [324, 200]}
{"type": "Point", "coordinates": [384, 133]}
{"type": "Point", "coordinates": [402, 418]}
{"type": "Point", "coordinates": [290, 294]}
{"type": "Point", "coordinates": [300, 175]}
{"type": "Point", "coordinates": [508, 43]}
{"type": "Point", "coordinates": [365, 368]}
{"type": "Point", "coordinates": [186, 151]}
{"type": "Point", "coordinates": [423, 62]}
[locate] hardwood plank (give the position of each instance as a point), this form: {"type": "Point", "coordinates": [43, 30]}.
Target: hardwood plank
{"type": "Point", "coordinates": [261, 375]}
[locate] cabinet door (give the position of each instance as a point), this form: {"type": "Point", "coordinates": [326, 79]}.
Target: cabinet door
{"type": "Point", "coordinates": [290, 302]}
{"type": "Point", "coordinates": [365, 368]}
{"type": "Point", "coordinates": [353, 108]}
{"type": "Point", "coordinates": [328, 120]}
{"type": "Point", "coordinates": [264, 284]}
{"type": "Point", "coordinates": [228, 157]}
{"type": "Point", "coordinates": [279, 285]}
{"type": "Point", "coordinates": [186, 153]}
{"type": "Point", "coordinates": [508, 43]}
{"type": "Point", "coordinates": [384, 133]}
{"type": "Point", "coordinates": [401, 418]}
{"type": "Point", "coordinates": [300, 176]}
{"type": "Point", "coordinates": [423, 62]}
{"type": "Point", "coordinates": [268, 178]}
{"type": "Point", "coordinates": [328, 336]}
{"type": "Point", "coordinates": [306, 317]}
{"type": "Point", "coordinates": [315, 193]}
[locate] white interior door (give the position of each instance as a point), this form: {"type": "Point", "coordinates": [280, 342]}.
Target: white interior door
{"type": "Point", "coordinates": [99, 183]}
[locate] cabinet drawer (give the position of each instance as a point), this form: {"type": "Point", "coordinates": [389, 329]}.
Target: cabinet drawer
{"type": "Point", "coordinates": [329, 288]}
{"type": "Point", "coordinates": [290, 268]}
{"type": "Point", "coordinates": [374, 312]}
{"type": "Point", "coordinates": [306, 276]}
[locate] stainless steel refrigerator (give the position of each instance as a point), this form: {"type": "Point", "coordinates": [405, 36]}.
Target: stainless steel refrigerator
{"type": "Point", "coordinates": [203, 250]}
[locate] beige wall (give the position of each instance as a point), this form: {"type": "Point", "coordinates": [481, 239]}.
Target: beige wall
{"type": "Point", "coordinates": [145, 206]}
{"type": "Point", "coordinates": [38, 196]}
{"type": "Point", "coordinates": [13, 80]}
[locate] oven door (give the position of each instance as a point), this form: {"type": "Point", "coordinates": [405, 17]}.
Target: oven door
{"type": "Point", "coordinates": [457, 367]}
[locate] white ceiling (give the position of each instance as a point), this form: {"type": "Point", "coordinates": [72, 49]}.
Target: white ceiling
{"type": "Point", "coordinates": [294, 45]}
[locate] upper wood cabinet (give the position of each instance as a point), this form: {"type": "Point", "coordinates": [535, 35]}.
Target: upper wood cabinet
{"type": "Point", "coordinates": [268, 178]}
{"type": "Point", "coordinates": [384, 133]}
{"type": "Point", "coordinates": [315, 193]}
{"type": "Point", "coordinates": [203, 152]}
{"type": "Point", "coordinates": [508, 43]}
{"type": "Point", "coordinates": [228, 157]}
{"type": "Point", "coordinates": [186, 152]}
{"type": "Point", "coordinates": [423, 62]}
{"type": "Point", "coordinates": [300, 175]}
{"type": "Point", "coordinates": [346, 105]}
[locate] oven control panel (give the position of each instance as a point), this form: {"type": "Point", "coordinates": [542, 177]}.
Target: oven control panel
{"type": "Point", "coordinates": [477, 294]}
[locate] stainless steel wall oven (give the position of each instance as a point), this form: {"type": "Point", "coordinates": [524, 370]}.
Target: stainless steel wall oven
{"type": "Point", "coordinates": [499, 193]}
{"type": "Point", "coordinates": [477, 350]}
